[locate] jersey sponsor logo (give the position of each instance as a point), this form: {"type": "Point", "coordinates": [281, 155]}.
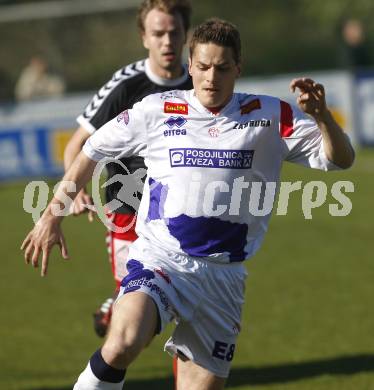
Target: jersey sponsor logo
{"type": "Point", "coordinates": [213, 132]}
{"type": "Point", "coordinates": [211, 158]}
{"type": "Point", "coordinates": [176, 108]}
{"type": "Point", "coordinates": [253, 123]}
{"type": "Point", "coordinates": [249, 107]}
{"type": "Point", "coordinates": [178, 121]}
{"type": "Point", "coordinates": [173, 132]}
{"type": "Point", "coordinates": [123, 117]}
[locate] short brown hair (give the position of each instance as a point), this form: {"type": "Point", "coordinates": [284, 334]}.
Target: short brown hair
{"type": "Point", "coordinates": [183, 7]}
{"type": "Point", "coordinates": [220, 32]}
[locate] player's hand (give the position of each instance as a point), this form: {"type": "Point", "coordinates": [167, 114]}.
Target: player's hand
{"type": "Point", "coordinates": [79, 206]}
{"type": "Point", "coordinates": [311, 99]}
{"type": "Point", "coordinates": [40, 241]}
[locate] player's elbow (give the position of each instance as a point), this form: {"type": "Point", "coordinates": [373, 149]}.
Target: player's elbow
{"type": "Point", "coordinates": [346, 160]}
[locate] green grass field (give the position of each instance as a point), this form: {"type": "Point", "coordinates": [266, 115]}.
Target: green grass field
{"type": "Point", "coordinates": [308, 320]}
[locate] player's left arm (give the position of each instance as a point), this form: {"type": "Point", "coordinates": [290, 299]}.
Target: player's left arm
{"type": "Point", "coordinates": [312, 100]}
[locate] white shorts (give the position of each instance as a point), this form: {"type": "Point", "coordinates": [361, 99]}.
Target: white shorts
{"type": "Point", "coordinates": [204, 298]}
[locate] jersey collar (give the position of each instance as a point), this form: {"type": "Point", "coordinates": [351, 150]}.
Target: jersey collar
{"type": "Point", "coordinates": [165, 82]}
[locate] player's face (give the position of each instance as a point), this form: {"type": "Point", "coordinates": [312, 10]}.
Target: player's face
{"type": "Point", "coordinates": [213, 70]}
{"type": "Point", "coordinates": [164, 37]}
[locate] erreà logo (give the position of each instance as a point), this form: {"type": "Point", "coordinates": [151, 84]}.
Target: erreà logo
{"type": "Point", "coordinates": [249, 107]}
{"type": "Point", "coordinates": [175, 108]}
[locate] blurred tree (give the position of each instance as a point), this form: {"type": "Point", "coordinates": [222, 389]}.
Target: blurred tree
{"type": "Point", "coordinates": [278, 37]}
{"type": "Point", "coordinates": [6, 88]}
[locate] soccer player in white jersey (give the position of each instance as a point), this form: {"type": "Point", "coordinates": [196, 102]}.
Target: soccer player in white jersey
{"type": "Point", "coordinates": [204, 149]}
{"type": "Point", "coordinates": [163, 26]}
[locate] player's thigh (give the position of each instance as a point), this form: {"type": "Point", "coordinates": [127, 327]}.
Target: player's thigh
{"type": "Point", "coordinates": [190, 376]}
{"type": "Point", "coordinates": [134, 322]}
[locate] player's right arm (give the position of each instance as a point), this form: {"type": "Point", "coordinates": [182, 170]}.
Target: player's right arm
{"type": "Point", "coordinates": [73, 148]}
{"type": "Point", "coordinates": [124, 136]}
{"type": "Point", "coordinates": [47, 231]}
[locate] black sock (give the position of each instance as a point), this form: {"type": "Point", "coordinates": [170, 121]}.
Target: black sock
{"type": "Point", "coordinates": [104, 371]}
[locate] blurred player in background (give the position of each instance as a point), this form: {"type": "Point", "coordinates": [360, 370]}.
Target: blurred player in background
{"type": "Point", "coordinates": [37, 81]}
{"type": "Point", "coordinates": [188, 262]}
{"type": "Point", "coordinates": [354, 53]}
{"type": "Point", "coordinates": [163, 26]}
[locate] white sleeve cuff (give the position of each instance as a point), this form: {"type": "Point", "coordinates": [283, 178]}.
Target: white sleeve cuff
{"type": "Point", "coordinates": [91, 153]}
{"type": "Point", "coordinates": [86, 124]}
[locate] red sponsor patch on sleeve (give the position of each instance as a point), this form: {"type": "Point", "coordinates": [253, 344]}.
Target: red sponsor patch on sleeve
{"type": "Point", "coordinates": [286, 120]}
{"type": "Point", "coordinates": [249, 107]}
{"type": "Point", "coordinates": [176, 108]}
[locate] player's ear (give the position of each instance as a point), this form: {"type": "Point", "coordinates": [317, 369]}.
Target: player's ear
{"type": "Point", "coordinates": [190, 66]}
{"type": "Point", "coordinates": [145, 40]}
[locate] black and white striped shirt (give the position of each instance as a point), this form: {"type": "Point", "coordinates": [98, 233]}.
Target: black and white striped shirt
{"type": "Point", "coordinates": [127, 86]}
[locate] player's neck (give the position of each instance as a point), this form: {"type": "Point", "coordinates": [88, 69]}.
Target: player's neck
{"type": "Point", "coordinates": [215, 110]}
{"type": "Point", "coordinates": [167, 74]}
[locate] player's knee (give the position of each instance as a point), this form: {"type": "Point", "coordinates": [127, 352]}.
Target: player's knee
{"type": "Point", "coordinates": [123, 348]}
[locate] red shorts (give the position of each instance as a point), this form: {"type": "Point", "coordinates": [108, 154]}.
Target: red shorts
{"type": "Point", "coordinates": [118, 243]}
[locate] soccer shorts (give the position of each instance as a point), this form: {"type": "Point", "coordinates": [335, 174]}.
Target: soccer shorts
{"type": "Point", "coordinates": [204, 299]}
{"type": "Point", "coordinates": [118, 243]}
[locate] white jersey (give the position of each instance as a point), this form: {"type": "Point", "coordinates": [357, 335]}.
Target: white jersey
{"type": "Point", "coordinates": [205, 191]}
